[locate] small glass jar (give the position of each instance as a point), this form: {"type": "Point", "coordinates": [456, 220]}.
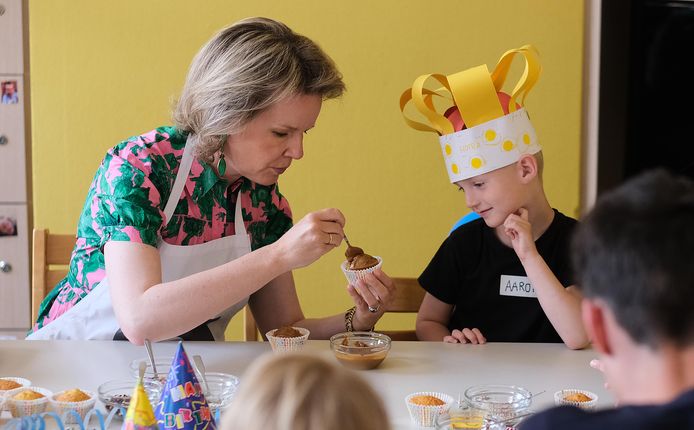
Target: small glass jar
{"type": "Point", "coordinates": [501, 406]}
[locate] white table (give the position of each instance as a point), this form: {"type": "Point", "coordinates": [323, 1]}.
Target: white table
{"type": "Point", "coordinates": [409, 367]}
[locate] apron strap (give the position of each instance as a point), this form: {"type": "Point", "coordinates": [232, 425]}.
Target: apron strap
{"type": "Point", "coordinates": [181, 177]}
{"type": "Point", "coordinates": [239, 226]}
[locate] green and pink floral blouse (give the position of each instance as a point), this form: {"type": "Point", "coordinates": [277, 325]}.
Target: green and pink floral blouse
{"type": "Point", "coordinates": [126, 202]}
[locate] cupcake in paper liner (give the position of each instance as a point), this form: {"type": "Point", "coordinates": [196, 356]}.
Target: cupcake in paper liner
{"type": "Point", "coordinates": [426, 406]}
{"type": "Point", "coordinates": [72, 400]}
{"type": "Point", "coordinates": [573, 397]}
{"type": "Point", "coordinates": [9, 383]}
{"type": "Point", "coordinates": [357, 267]}
{"type": "Point", "coordinates": [26, 401]}
{"type": "Point", "coordinates": [285, 339]}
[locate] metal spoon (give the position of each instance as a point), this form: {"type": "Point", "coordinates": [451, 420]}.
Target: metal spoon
{"type": "Point", "coordinates": [148, 345]}
{"type": "Point", "coordinates": [352, 250]}
{"type": "Point", "coordinates": [201, 369]}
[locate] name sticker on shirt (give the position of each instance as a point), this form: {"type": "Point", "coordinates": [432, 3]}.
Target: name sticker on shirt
{"type": "Point", "coordinates": [517, 286]}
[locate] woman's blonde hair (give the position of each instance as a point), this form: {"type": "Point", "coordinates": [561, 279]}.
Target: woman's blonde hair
{"type": "Point", "coordinates": [245, 69]}
{"type": "Point", "coordinates": [301, 392]}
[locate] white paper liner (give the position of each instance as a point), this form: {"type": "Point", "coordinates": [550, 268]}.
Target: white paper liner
{"type": "Point", "coordinates": [80, 407]}
{"type": "Point", "coordinates": [22, 408]}
{"type": "Point", "coordinates": [287, 344]}
{"type": "Point", "coordinates": [21, 381]}
{"type": "Point", "coordinates": [425, 416]}
{"type": "Point", "coordinates": [354, 275]}
{"type": "Point", "coordinates": [559, 398]}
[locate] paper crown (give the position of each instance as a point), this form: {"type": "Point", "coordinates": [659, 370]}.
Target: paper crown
{"type": "Point", "coordinates": [485, 129]}
{"type": "Point", "coordinates": [182, 405]}
{"type": "Point", "coordinates": [140, 415]}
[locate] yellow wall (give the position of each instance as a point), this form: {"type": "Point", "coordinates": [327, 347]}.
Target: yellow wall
{"type": "Point", "coordinates": [103, 71]}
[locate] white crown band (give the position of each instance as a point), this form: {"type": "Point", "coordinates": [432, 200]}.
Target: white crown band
{"type": "Point", "coordinates": [489, 146]}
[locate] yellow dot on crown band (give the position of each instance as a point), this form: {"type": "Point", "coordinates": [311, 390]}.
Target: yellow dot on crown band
{"type": "Point", "coordinates": [526, 139]}
{"type": "Point", "coordinates": [476, 163]}
{"type": "Point", "coordinates": [508, 145]}
{"type": "Point", "coordinates": [490, 135]}
{"type": "Point", "coordinates": [448, 149]}
{"type": "Point", "coordinates": [454, 168]}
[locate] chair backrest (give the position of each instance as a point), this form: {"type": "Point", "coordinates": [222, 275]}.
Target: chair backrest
{"type": "Point", "coordinates": [408, 297]}
{"type": "Point", "coordinates": [50, 257]}
{"type": "Point", "coordinates": [471, 216]}
{"type": "Point", "coordinates": [250, 328]}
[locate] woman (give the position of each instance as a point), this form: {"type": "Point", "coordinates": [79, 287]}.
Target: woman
{"type": "Point", "coordinates": [162, 246]}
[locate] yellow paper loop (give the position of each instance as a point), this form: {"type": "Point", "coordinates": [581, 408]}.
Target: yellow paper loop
{"type": "Point", "coordinates": [473, 92]}
{"type": "Point", "coordinates": [475, 96]}
{"type": "Point", "coordinates": [423, 101]}
{"type": "Point", "coordinates": [531, 73]}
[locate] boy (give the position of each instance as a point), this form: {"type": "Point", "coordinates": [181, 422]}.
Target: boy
{"type": "Point", "coordinates": [633, 258]}
{"type": "Point", "coordinates": [504, 277]}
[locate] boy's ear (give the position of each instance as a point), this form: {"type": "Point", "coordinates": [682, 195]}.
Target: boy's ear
{"type": "Point", "coordinates": [527, 168]}
{"type": "Point", "coordinates": [593, 315]}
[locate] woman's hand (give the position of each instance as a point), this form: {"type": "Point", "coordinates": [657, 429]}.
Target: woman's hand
{"type": "Point", "coordinates": [518, 229]}
{"type": "Point", "coordinates": [376, 290]}
{"type": "Point", "coordinates": [312, 237]}
{"type": "Point", "coordinates": [466, 335]}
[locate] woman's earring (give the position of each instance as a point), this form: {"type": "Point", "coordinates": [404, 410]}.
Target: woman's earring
{"type": "Point", "coordinates": [221, 165]}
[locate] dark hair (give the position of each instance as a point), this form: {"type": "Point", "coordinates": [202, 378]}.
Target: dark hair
{"type": "Point", "coordinates": [635, 251]}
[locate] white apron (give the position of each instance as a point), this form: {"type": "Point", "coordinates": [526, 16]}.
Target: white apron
{"type": "Point", "coordinates": [92, 318]}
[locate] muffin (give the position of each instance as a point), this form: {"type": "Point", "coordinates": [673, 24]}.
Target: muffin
{"type": "Point", "coordinates": [27, 395]}
{"type": "Point", "coordinates": [361, 262]}
{"type": "Point", "coordinates": [425, 407]}
{"type": "Point", "coordinates": [74, 395]}
{"type": "Point", "coordinates": [286, 331]}
{"type": "Point", "coordinates": [7, 384]}
{"type": "Point", "coordinates": [358, 264]}
{"type": "Point", "coordinates": [287, 338]}
{"type": "Point", "coordinates": [74, 400]}
{"type": "Point", "coordinates": [579, 398]}
{"type": "Point", "coordinates": [427, 400]}
{"type": "Point", "coordinates": [26, 401]}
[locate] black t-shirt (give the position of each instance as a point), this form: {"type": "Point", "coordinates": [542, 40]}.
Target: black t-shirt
{"type": "Point", "coordinates": [678, 414]}
{"type": "Point", "coordinates": [485, 281]}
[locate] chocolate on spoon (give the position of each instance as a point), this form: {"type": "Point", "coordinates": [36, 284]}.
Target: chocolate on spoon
{"type": "Point", "coordinates": [352, 251]}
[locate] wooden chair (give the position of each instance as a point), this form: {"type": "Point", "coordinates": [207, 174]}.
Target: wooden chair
{"type": "Point", "coordinates": [250, 328]}
{"type": "Point", "coordinates": [50, 258]}
{"type": "Point", "coordinates": [408, 297]}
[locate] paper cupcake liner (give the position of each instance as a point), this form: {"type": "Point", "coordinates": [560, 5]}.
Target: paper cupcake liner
{"type": "Point", "coordinates": [425, 416]}
{"type": "Point", "coordinates": [21, 381]}
{"type": "Point", "coordinates": [62, 408]}
{"type": "Point", "coordinates": [22, 408]}
{"type": "Point", "coordinates": [354, 275]}
{"type": "Point", "coordinates": [287, 344]}
{"type": "Point", "coordinates": [559, 398]}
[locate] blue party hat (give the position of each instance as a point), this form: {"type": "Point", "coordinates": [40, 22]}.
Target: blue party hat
{"type": "Point", "coordinates": [182, 405]}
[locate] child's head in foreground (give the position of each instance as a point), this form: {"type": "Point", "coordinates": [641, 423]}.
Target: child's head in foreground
{"type": "Point", "coordinates": [301, 392]}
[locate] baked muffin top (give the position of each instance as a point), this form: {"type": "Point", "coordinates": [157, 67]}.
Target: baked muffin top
{"type": "Point", "coordinates": [577, 397]}
{"type": "Point", "coordinates": [427, 400]}
{"type": "Point", "coordinates": [74, 395]}
{"type": "Point", "coordinates": [28, 395]}
{"type": "Point", "coordinates": [286, 331]}
{"type": "Point", "coordinates": [7, 384]}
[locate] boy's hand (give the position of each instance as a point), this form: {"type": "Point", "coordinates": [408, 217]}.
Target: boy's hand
{"type": "Point", "coordinates": [466, 335]}
{"type": "Point", "coordinates": [518, 229]}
